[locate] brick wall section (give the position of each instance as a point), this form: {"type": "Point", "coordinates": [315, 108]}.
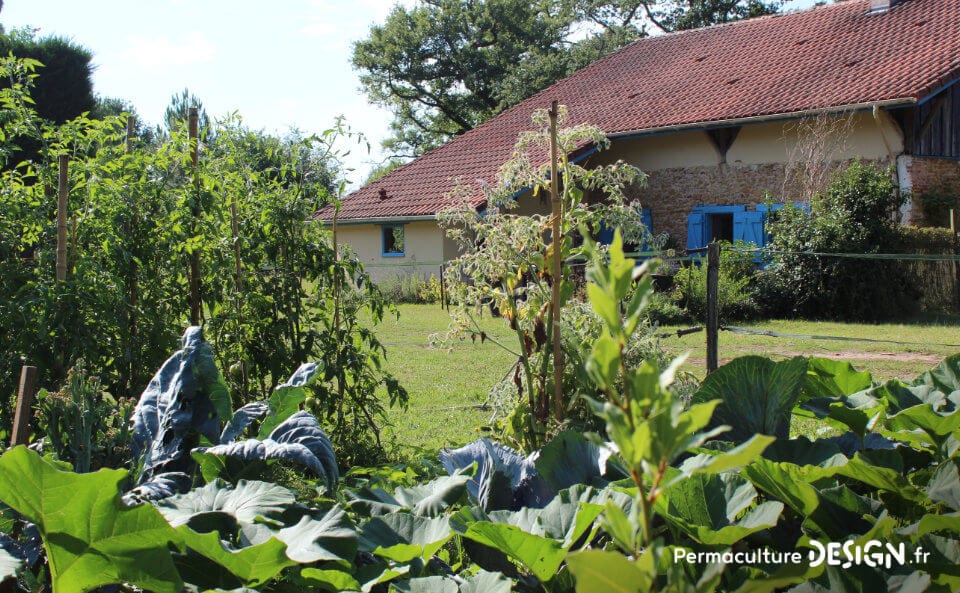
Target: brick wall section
{"type": "Point", "coordinates": [932, 174]}
{"type": "Point", "coordinates": [671, 194]}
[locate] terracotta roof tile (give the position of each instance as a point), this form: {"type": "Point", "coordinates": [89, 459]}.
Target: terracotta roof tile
{"type": "Point", "coordinates": [828, 57]}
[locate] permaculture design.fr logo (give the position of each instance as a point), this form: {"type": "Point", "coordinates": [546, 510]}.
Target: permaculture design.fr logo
{"type": "Point", "coordinates": [872, 553]}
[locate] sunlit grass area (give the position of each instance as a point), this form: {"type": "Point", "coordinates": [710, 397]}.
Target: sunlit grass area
{"type": "Point", "coordinates": [448, 383]}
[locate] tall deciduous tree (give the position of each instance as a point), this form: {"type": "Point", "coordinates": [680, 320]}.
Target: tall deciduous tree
{"type": "Point", "coordinates": [63, 88]}
{"type": "Point", "coordinates": [445, 66]}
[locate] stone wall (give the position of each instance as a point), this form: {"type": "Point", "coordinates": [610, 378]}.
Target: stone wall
{"type": "Point", "coordinates": [935, 176]}
{"type": "Point", "coordinates": [671, 194]}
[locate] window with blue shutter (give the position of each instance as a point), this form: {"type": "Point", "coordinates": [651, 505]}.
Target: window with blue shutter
{"type": "Point", "coordinates": [748, 227]}
{"type": "Point", "coordinates": [605, 235]}
{"type": "Point", "coordinates": [696, 231]}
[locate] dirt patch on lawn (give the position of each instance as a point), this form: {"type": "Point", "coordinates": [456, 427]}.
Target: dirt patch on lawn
{"type": "Point", "coordinates": [927, 359]}
{"type": "Point", "coordinates": [930, 359]}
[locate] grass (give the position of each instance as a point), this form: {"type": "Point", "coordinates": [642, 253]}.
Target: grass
{"type": "Point", "coordinates": [921, 346]}
{"type": "Point", "coordinates": [447, 385]}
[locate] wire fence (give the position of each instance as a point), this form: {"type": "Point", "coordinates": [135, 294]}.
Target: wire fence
{"type": "Point", "coordinates": [941, 271]}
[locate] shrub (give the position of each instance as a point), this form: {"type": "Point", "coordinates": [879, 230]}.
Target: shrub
{"type": "Point", "coordinates": [411, 289]}
{"type": "Point", "coordinates": [853, 215]}
{"type": "Point", "coordinates": [935, 205]}
{"type": "Point", "coordinates": [936, 280]}
{"type": "Point", "coordinates": [734, 292]}
{"type": "Point", "coordinates": [663, 310]}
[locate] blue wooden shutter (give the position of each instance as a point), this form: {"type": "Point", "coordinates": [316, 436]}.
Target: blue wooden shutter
{"type": "Point", "coordinates": [748, 227]}
{"type": "Point", "coordinates": [647, 219]}
{"type": "Point", "coordinates": [696, 231]}
{"type": "Point", "coordinates": [605, 235]}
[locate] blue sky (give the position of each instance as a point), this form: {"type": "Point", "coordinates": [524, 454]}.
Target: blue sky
{"type": "Point", "coordinates": [281, 64]}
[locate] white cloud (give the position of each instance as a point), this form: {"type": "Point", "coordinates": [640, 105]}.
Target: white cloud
{"type": "Point", "coordinates": [162, 51]}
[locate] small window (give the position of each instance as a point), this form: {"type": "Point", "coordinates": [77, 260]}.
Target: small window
{"type": "Point", "coordinates": [721, 227]}
{"type": "Point", "coordinates": [393, 244]}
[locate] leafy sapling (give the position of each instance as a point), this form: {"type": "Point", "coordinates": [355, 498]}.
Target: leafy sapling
{"type": "Point", "coordinates": [648, 423]}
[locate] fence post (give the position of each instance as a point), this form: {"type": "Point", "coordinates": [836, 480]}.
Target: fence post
{"type": "Point", "coordinates": [713, 325]}
{"type": "Point", "coordinates": [21, 418]}
{"type": "Point", "coordinates": [443, 288]}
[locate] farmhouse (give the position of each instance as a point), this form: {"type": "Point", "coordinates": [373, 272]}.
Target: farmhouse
{"type": "Point", "coordinates": [719, 118]}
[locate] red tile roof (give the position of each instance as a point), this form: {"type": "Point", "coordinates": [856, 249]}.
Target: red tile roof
{"type": "Point", "coordinates": [830, 57]}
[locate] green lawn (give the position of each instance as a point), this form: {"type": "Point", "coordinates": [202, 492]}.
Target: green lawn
{"type": "Point", "coordinates": [923, 345]}
{"type": "Point", "coordinates": [447, 385]}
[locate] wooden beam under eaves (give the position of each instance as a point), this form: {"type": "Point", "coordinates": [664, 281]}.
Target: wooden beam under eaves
{"type": "Point", "coordinates": [931, 115]}
{"type": "Point", "coordinates": [723, 139]}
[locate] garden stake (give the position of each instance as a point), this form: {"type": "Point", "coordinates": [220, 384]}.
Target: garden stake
{"type": "Point", "coordinates": [21, 418]}
{"type": "Point", "coordinates": [195, 214]}
{"type": "Point", "coordinates": [62, 191]}
{"type": "Point", "coordinates": [557, 208]}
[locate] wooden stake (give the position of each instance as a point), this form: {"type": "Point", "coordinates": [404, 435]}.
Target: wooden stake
{"type": "Point", "coordinates": [131, 127]}
{"type": "Point", "coordinates": [195, 302]}
{"type": "Point", "coordinates": [63, 190]}
{"type": "Point", "coordinates": [443, 287]}
{"type": "Point", "coordinates": [713, 324]}
{"type": "Point", "coordinates": [556, 206]}
{"type": "Point", "coordinates": [25, 395]}
{"type": "Point", "coordinates": [129, 378]}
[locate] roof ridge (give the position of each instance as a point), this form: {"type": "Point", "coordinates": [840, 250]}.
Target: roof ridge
{"type": "Point", "coordinates": [756, 19]}
{"type": "Point", "coordinates": [600, 61]}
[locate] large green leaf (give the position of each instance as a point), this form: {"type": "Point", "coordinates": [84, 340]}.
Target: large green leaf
{"type": "Point", "coordinates": [246, 502]}
{"type": "Point", "coordinates": [788, 574]}
{"type": "Point", "coordinates": [570, 458]}
{"type": "Point", "coordinates": [861, 469]}
{"type": "Point", "coordinates": [286, 399]}
{"type": "Point", "coordinates": [706, 508]}
{"type": "Point", "coordinates": [945, 377]}
{"type": "Point", "coordinates": [91, 538]}
{"type": "Point", "coordinates": [298, 439]}
{"type": "Point", "coordinates": [538, 539]}
{"type": "Point", "coordinates": [253, 565]}
{"type": "Point", "coordinates": [757, 395]}
{"type": "Point", "coordinates": [789, 484]}
{"type": "Point", "coordinates": [936, 426]}
{"type": "Point", "coordinates": [429, 500]}
{"type": "Point", "coordinates": [898, 396]}
{"type": "Point", "coordinates": [329, 580]}
{"type": "Point", "coordinates": [949, 523]}
{"type": "Point", "coordinates": [401, 537]}
{"type": "Point", "coordinates": [487, 582]}
{"type": "Point", "coordinates": [715, 462]}
{"type": "Point", "coordinates": [803, 451]}
{"type": "Point", "coordinates": [329, 536]}
{"type": "Point", "coordinates": [540, 555]}
{"type": "Point", "coordinates": [944, 486]}
{"type": "Point", "coordinates": [608, 572]}
{"type": "Point", "coordinates": [831, 378]}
